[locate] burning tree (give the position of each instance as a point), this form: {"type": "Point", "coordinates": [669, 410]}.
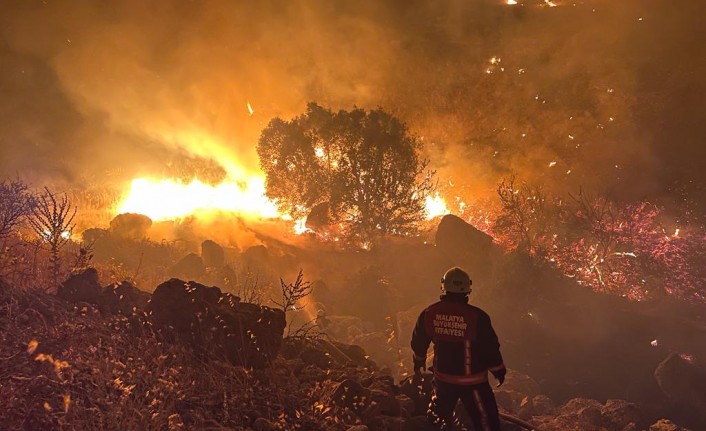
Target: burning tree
{"type": "Point", "coordinates": [362, 167]}
{"type": "Point", "coordinates": [628, 249]}
{"type": "Point", "coordinates": [524, 218]}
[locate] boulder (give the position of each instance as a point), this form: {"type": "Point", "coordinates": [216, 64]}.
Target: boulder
{"type": "Point", "coordinates": [522, 383]}
{"type": "Point", "coordinates": [464, 245]}
{"type": "Point", "coordinates": [683, 382]}
{"type": "Point", "coordinates": [183, 307]}
{"type": "Point", "coordinates": [246, 334]}
{"type": "Point", "coordinates": [419, 390]}
{"type": "Point", "coordinates": [123, 298]}
{"type": "Point", "coordinates": [539, 405]}
{"type": "Point", "coordinates": [189, 267]}
{"type": "Point", "coordinates": [619, 414]}
{"type": "Point", "coordinates": [93, 234]}
{"type": "Point", "coordinates": [212, 254]}
{"type": "Point", "coordinates": [130, 226]}
{"type": "Point", "coordinates": [406, 404]}
{"type": "Point", "coordinates": [82, 287]}
{"type": "Point", "coordinates": [509, 400]}
{"type": "Point", "coordinates": [348, 395]}
{"type": "Point", "coordinates": [666, 425]}
{"type": "Point", "coordinates": [585, 412]}
{"type": "Point", "coordinates": [256, 257]}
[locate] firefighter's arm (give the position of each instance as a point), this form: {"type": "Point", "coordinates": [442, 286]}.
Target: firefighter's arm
{"type": "Point", "coordinates": [491, 348]}
{"type": "Point", "coordinates": [420, 345]}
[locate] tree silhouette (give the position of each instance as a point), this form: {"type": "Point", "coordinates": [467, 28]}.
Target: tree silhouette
{"type": "Point", "coordinates": [362, 167]}
{"type": "Point", "coordinates": [52, 219]}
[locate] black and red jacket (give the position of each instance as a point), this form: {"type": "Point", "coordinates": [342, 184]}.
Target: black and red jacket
{"type": "Point", "coordinates": [465, 344]}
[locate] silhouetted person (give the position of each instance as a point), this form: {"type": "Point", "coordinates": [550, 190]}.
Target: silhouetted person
{"type": "Point", "coordinates": [465, 349]}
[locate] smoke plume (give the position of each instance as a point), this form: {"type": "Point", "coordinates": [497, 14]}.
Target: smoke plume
{"type": "Point", "coordinates": [602, 94]}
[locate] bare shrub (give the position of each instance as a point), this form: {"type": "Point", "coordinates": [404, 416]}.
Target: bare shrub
{"type": "Point", "coordinates": [16, 203]}
{"type": "Point", "coordinates": [52, 220]}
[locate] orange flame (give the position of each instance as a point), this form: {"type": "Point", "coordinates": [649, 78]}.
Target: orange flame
{"type": "Point", "coordinates": [169, 199]}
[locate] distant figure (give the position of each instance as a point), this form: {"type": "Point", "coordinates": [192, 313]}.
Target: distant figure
{"type": "Point", "coordinates": [465, 349]}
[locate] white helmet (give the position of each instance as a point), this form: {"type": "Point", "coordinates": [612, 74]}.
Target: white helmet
{"type": "Point", "coordinates": [456, 280]}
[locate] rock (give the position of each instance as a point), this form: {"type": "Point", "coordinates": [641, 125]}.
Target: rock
{"type": "Point", "coordinates": [355, 354]}
{"type": "Point", "coordinates": [509, 400]}
{"type": "Point", "coordinates": [406, 404]}
{"type": "Point", "coordinates": [419, 390]}
{"type": "Point", "coordinates": [93, 234]}
{"type": "Point", "coordinates": [522, 383]}
{"type": "Point", "coordinates": [575, 405]}
{"type": "Point", "coordinates": [212, 254]}
{"type": "Point", "coordinates": [245, 334]}
{"type": "Point", "coordinates": [381, 403]}
{"type": "Point", "coordinates": [539, 405]}
{"type": "Point", "coordinates": [584, 412]}
{"type": "Point", "coordinates": [666, 425]}
{"type": "Point", "coordinates": [383, 383]}
{"type": "Point", "coordinates": [618, 414]}
{"type": "Point", "coordinates": [130, 226]}
{"type": "Point", "coordinates": [183, 306]}
{"type": "Point", "coordinates": [256, 257]}
{"type": "Point", "coordinates": [316, 357]}
{"type": "Point", "coordinates": [83, 287]}
{"type": "Point", "coordinates": [465, 245]}
{"type": "Point", "coordinates": [683, 382]}
{"type": "Point", "coordinates": [346, 395]}
{"type": "Point", "coordinates": [189, 267]}
{"type": "Point", "coordinates": [249, 334]}
{"type": "Point", "coordinates": [124, 298]}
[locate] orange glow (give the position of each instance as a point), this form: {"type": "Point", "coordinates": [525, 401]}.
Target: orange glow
{"type": "Point", "coordinates": [435, 206]}
{"type": "Point", "coordinates": [169, 199]}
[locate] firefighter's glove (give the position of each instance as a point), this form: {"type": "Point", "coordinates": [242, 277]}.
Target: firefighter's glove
{"type": "Point", "coordinates": [500, 376]}
{"type": "Point", "coordinates": [419, 366]}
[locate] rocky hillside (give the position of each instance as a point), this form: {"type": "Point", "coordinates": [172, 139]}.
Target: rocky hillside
{"type": "Point", "coordinates": [191, 357]}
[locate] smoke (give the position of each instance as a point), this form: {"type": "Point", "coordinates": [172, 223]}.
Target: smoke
{"type": "Point", "coordinates": [601, 94]}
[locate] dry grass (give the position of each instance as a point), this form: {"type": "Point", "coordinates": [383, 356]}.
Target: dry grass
{"type": "Point", "coordinates": [66, 367]}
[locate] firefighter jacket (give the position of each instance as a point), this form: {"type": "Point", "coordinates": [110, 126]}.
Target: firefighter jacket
{"type": "Point", "coordinates": [465, 344]}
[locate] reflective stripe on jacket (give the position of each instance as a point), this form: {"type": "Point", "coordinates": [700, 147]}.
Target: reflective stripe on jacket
{"type": "Point", "coordinates": [465, 344]}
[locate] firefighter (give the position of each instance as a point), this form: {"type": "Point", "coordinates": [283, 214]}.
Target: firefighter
{"type": "Point", "coordinates": [466, 348]}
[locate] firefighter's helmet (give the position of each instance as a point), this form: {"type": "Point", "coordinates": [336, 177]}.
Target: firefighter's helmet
{"type": "Point", "coordinates": [456, 280]}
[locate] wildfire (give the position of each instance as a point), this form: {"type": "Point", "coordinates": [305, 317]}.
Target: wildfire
{"type": "Point", "coordinates": [435, 206]}
{"type": "Point", "coordinates": [173, 199]}
{"type": "Point", "coordinates": [170, 199]}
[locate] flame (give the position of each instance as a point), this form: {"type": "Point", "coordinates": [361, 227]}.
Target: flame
{"type": "Point", "coordinates": [511, 1]}
{"type": "Point", "coordinates": [300, 226]}
{"type": "Point", "coordinates": [435, 206]}
{"type": "Point", "coordinates": [250, 110]}
{"type": "Point", "coordinates": [170, 199]}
